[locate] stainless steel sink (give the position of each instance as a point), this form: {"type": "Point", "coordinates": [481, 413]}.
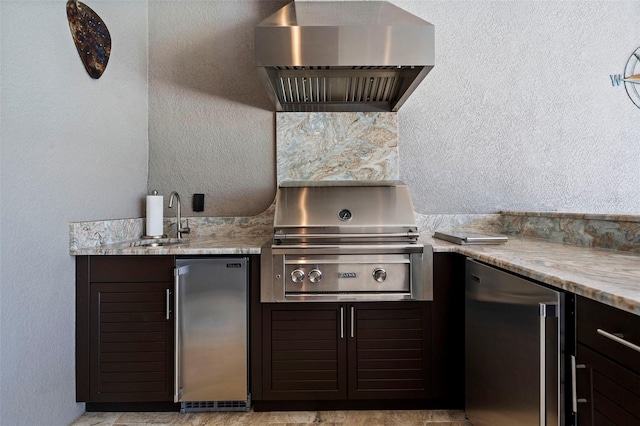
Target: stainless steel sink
{"type": "Point", "coordinates": [160, 242]}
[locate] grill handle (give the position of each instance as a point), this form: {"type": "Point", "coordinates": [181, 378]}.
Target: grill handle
{"type": "Point", "coordinates": [408, 234]}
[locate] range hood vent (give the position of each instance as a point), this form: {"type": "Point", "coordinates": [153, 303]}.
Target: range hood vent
{"type": "Point", "coordinates": [342, 56]}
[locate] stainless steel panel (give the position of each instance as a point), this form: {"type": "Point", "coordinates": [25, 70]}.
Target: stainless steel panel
{"type": "Point", "coordinates": [464, 238]}
{"type": "Point", "coordinates": [342, 56]}
{"type": "Point", "coordinates": [508, 381]}
{"type": "Point", "coordinates": [212, 330]}
{"type": "Point", "coordinates": [348, 207]}
{"type": "Point", "coordinates": [414, 260]}
{"type": "Point", "coordinates": [422, 274]}
{"type": "Point", "coordinates": [348, 273]}
{"type": "Point", "coordinates": [343, 34]}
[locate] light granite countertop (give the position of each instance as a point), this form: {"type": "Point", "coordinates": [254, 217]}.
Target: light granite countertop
{"type": "Point", "coordinates": [608, 276]}
{"type": "Point", "coordinates": [227, 244]}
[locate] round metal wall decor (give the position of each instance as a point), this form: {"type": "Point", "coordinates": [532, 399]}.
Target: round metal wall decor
{"type": "Point", "coordinates": [630, 78]}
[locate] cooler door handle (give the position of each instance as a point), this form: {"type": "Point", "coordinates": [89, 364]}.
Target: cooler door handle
{"type": "Point", "coordinates": [546, 310]}
{"type": "Point", "coordinates": [177, 272]}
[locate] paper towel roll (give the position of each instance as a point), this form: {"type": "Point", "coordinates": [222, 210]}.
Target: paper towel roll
{"type": "Point", "coordinates": [154, 215]}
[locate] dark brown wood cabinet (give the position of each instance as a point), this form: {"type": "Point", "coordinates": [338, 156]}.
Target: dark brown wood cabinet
{"type": "Point", "coordinates": [304, 351]}
{"type": "Point", "coordinates": [389, 350]}
{"type": "Point", "coordinates": [125, 329]}
{"type": "Point", "coordinates": [608, 372]}
{"type": "Point", "coordinates": [447, 319]}
{"type": "Point", "coordinates": [346, 351]}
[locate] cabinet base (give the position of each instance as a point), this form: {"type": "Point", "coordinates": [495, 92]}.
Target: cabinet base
{"type": "Point", "coordinates": [404, 404]}
{"type": "Point", "coordinates": [130, 406]}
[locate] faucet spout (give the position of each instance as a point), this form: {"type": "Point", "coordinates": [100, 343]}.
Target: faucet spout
{"type": "Point", "coordinates": [179, 229]}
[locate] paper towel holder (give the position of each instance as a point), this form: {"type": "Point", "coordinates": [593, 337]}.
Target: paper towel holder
{"type": "Point", "coordinates": [153, 237]}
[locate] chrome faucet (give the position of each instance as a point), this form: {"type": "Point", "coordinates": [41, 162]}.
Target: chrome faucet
{"type": "Point", "coordinates": [179, 229]}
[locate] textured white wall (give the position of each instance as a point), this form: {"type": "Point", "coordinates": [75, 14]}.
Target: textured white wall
{"type": "Point", "coordinates": [209, 117]}
{"type": "Point", "coordinates": [517, 114]}
{"type": "Point", "coordinates": [72, 148]}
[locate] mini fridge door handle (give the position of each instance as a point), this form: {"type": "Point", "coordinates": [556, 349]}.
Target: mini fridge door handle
{"type": "Point", "coordinates": [547, 310]}
{"type": "Point", "coordinates": [177, 272]}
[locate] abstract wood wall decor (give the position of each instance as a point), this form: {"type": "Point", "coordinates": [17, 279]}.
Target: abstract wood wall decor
{"type": "Point", "coordinates": [91, 37]}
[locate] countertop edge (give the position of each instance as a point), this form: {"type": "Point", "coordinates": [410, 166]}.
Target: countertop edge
{"type": "Point", "coordinates": [607, 276]}
{"type": "Point", "coordinates": [566, 272]}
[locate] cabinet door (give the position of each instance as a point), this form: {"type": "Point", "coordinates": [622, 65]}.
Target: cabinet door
{"type": "Point", "coordinates": [609, 394]}
{"type": "Point", "coordinates": [389, 350]}
{"type": "Point", "coordinates": [304, 351]}
{"type": "Point", "coordinates": [131, 342]}
{"type": "Point", "coordinates": [608, 382]}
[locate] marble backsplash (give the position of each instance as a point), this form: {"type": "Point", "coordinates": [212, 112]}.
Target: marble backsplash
{"type": "Point", "coordinates": [337, 146]}
{"type": "Point", "coordinates": [599, 231]}
{"type": "Point", "coordinates": [480, 223]}
{"type": "Point", "coordinates": [86, 235]}
{"type": "Point", "coordinates": [103, 232]}
{"type": "Point", "coordinates": [616, 232]}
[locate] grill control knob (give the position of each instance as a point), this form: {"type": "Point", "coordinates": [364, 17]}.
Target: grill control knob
{"type": "Point", "coordinates": [315, 275]}
{"type": "Point", "coordinates": [379, 274]}
{"type": "Point", "coordinates": [297, 275]}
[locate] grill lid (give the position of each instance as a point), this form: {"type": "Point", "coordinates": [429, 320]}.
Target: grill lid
{"type": "Point", "coordinates": [344, 210]}
{"type": "Point", "coordinates": [342, 56]}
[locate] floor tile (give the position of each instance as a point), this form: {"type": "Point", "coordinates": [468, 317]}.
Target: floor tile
{"type": "Point", "coordinates": [96, 419]}
{"type": "Point", "coordinates": [280, 418]}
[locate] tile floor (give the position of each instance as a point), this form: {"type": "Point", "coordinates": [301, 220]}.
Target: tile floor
{"type": "Point", "coordinates": [288, 418]}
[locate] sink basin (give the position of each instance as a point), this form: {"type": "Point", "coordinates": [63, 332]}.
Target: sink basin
{"type": "Point", "coordinates": [159, 242]}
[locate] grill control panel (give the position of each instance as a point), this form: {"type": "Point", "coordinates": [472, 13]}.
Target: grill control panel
{"type": "Point", "coordinates": [347, 274]}
{"type": "Point", "coordinates": [313, 273]}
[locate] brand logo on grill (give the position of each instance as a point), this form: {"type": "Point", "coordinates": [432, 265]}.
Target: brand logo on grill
{"type": "Point", "coordinates": [234, 265]}
{"type": "Point", "coordinates": [347, 275]}
{"type": "Point", "coordinates": [345, 215]}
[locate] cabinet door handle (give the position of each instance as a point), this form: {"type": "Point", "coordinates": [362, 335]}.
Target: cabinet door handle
{"type": "Point", "coordinates": [341, 322]}
{"type": "Point", "coordinates": [574, 392]}
{"type": "Point", "coordinates": [618, 339]}
{"type": "Point", "coordinates": [352, 320]}
{"type": "Point", "coordinates": [168, 308]}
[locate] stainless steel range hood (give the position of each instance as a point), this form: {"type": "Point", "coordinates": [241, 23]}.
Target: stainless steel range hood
{"type": "Point", "coordinates": [342, 56]}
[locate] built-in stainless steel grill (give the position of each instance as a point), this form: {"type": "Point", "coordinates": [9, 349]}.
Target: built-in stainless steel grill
{"type": "Point", "coordinates": [345, 240]}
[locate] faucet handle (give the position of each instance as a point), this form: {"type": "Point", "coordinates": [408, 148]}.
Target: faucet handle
{"type": "Point", "coordinates": [184, 230]}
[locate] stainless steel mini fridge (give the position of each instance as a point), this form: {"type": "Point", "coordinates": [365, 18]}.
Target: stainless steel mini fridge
{"type": "Point", "coordinates": [514, 350]}
{"type": "Point", "coordinates": [211, 339]}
